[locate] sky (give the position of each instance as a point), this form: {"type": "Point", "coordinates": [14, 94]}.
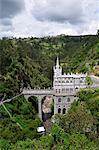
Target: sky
{"type": "Point", "coordinates": [38, 18]}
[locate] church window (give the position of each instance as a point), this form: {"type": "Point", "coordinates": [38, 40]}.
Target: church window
{"type": "Point", "coordinates": [59, 100]}
{"type": "Point", "coordinates": [59, 110]}
{"type": "Point", "coordinates": [67, 90]}
{"type": "Point", "coordinates": [64, 110]}
{"type": "Point", "coordinates": [71, 89]}
{"type": "Point", "coordinates": [68, 99]}
{"type": "Point", "coordinates": [63, 81]}
{"type": "Point", "coordinates": [63, 90]}
{"type": "Point", "coordinates": [76, 88]}
{"type": "Point", "coordinates": [81, 81]}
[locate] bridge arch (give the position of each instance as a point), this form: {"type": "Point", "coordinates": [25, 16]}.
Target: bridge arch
{"type": "Point", "coordinates": [34, 101]}
{"type": "Point", "coordinates": [39, 101]}
{"type": "Point", "coordinates": [40, 96]}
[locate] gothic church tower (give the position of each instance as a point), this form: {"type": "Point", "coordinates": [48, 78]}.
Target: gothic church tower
{"type": "Point", "coordinates": [57, 69]}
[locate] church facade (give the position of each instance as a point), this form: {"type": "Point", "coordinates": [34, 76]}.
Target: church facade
{"type": "Point", "coordinates": [65, 86]}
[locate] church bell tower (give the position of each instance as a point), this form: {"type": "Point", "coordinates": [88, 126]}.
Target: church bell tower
{"type": "Point", "coordinates": [57, 69]}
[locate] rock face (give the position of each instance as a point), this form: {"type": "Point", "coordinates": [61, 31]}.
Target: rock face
{"type": "Point", "coordinates": [46, 107]}
{"type": "Point", "coordinates": [48, 125]}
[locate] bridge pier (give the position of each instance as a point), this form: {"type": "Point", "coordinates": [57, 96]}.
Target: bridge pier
{"type": "Point", "coordinates": [40, 94]}
{"type": "Point", "coordinates": [40, 107]}
{"type": "Point", "coordinates": [55, 103]}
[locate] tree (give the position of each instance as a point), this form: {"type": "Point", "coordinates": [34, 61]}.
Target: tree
{"type": "Point", "coordinates": [91, 98]}
{"type": "Point", "coordinates": [89, 81]}
{"type": "Point", "coordinates": [78, 119]}
{"type": "Point", "coordinates": [4, 144]}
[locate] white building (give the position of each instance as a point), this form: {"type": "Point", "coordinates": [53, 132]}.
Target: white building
{"type": "Point", "coordinates": [65, 87]}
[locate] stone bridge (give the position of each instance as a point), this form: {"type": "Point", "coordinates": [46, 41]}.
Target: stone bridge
{"type": "Point", "coordinates": [40, 94]}
{"type": "Point", "coordinates": [63, 93]}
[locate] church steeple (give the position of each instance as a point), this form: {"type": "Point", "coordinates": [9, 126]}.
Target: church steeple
{"type": "Point", "coordinates": [57, 68]}
{"type": "Point", "coordinates": [57, 62]}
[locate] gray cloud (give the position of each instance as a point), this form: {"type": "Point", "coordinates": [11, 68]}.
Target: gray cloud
{"type": "Point", "coordinates": [9, 9]}
{"type": "Point", "coordinates": [6, 28]}
{"type": "Point", "coordinates": [59, 11]}
{"type": "Point", "coordinates": [48, 17]}
{"type": "Point", "coordinates": [6, 21]}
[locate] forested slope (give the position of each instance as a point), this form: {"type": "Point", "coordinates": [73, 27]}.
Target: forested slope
{"type": "Point", "coordinates": [29, 61]}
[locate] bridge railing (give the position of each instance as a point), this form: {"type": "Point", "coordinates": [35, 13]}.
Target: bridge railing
{"type": "Point", "coordinates": [41, 91]}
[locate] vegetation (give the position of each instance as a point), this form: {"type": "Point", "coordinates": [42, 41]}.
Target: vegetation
{"type": "Point", "coordinates": [27, 63]}
{"type": "Point", "coordinates": [89, 80]}
{"type": "Point", "coordinates": [78, 129]}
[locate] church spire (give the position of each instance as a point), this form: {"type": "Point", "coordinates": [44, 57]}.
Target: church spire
{"type": "Point", "coordinates": [57, 62]}
{"type": "Point", "coordinates": [57, 68]}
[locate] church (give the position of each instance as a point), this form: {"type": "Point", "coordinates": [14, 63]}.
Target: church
{"type": "Point", "coordinates": [63, 92]}
{"type": "Point", "coordinates": [65, 86]}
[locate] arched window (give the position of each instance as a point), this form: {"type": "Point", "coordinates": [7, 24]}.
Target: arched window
{"type": "Point", "coordinates": [59, 110]}
{"type": "Point", "coordinates": [67, 90]}
{"type": "Point", "coordinates": [81, 81]}
{"type": "Point", "coordinates": [63, 90]}
{"type": "Point", "coordinates": [71, 89]}
{"type": "Point", "coordinates": [59, 100]}
{"type": "Point", "coordinates": [64, 110]}
{"type": "Point", "coordinates": [67, 81]}
{"type": "Point", "coordinates": [68, 99]}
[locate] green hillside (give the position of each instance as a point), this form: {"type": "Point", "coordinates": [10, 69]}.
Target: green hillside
{"type": "Point", "coordinates": [29, 61]}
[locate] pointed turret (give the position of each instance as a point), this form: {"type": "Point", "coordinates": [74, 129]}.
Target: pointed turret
{"type": "Point", "coordinates": [57, 62]}
{"type": "Point", "coordinates": [57, 69]}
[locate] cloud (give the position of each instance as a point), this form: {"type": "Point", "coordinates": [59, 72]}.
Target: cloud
{"type": "Point", "coordinates": [71, 17]}
{"type": "Point", "coordinates": [23, 18]}
{"type": "Point", "coordinates": [6, 21]}
{"type": "Point", "coordinates": [9, 9]}
{"type": "Point", "coordinates": [59, 11]}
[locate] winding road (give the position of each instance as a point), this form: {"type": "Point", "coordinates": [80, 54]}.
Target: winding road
{"type": "Point", "coordinates": [95, 80]}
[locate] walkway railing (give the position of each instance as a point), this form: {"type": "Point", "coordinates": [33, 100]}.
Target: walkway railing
{"type": "Point", "coordinates": [38, 92]}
